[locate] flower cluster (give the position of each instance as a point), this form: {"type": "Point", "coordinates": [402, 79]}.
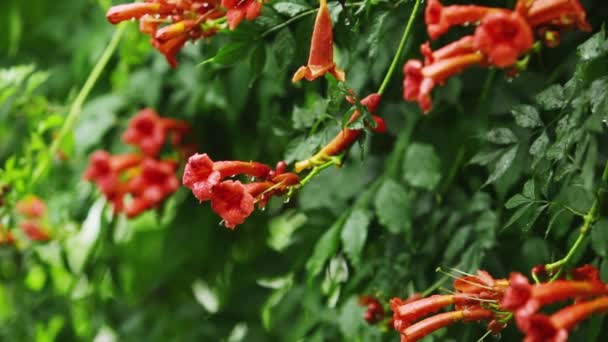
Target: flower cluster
{"type": "Point", "coordinates": [232, 199]}
{"type": "Point", "coordinates": [144, 176]}
{"type": "Point", "coordinates": [33, 223]}
{"type": "Point", "coordinates": [500, 38]}
{"type": "Point", "coordinates": [473, 300]}
{"type": "Point", "coordinates": [481, 297]}
{"type": "Point", "coordinates": [172, 23]}
{"type": "Point", "coordinates": [589, 293]}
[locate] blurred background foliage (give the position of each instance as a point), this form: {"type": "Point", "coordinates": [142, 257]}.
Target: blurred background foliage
{"type": "Point", "coordinates": [436, 190]}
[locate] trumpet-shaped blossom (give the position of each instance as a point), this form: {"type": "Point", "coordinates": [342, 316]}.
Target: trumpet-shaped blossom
{"type": "Point", "coordinates": [172, 23]}
{"type": "Point", "coordinates": [321, 57]}
{"type": "Point", "coordinates": [433, 323]}
{"type": "Point", "coordinates": [503, 37]}
{"type": "Point", "coordinates": [558, 13]}
{"type": "Point", "coordinates": [439, 19]}
{"type": "Point", "coordinates": [34, 230]}
{"type": "Point", "coordinates": [525, 299]}
{"type": "Point", "coordinates": [233, 202]}
{"type": "Point", "coordinates": [202, 174]}
{"type": "Point", "coordinates": [31, 206]}
{"type": "Point", "coordinates": [555, 328]}
{"type": "Point", "coordinates": [146, 131]}
{"type": "Point", "coordinates": [104, 169]}
{"type": "Point", "coordinates": [420, 79]}
{"type": "Point", "coordinates": [241, 9]}
{"type": "Point", "coordinates": [155, 181]}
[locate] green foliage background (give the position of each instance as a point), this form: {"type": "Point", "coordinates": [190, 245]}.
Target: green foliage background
{"type": "Point", "coordinates": [497, 177]}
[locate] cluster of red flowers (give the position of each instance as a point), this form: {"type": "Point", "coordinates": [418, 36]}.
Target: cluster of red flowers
{"type": "Point", "coordinates": [231, 199]}
{"type": "Point", "coordinates": [525, 300]}
{"type": "Point", "coordinates": [473, 294]}
{"type": "Point", "coordinates": [171, 23]}
{"type": "Point", "coordinates": [480, 297]}
{"type": "Point", "coordinates": [501, 37]}
{"type": "Point", "coordinates": [144, 176]}
{"type": "Point", "coordinates": [32, 213]}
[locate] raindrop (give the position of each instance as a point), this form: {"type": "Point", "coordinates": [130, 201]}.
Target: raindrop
{"type": "Point", "coordinates": [252, 179]}
{"type": "Point", "coordinates": [222, 223]}
{"type": "Point", "coordinates": [262, 208]}
{"type": "Point", "coordinates": [605, 121]}
{"type": "Point", "coordinates": [286, 200]}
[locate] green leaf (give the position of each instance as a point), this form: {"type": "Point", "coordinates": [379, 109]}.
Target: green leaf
{"type": "Point", "coordinates": [599, 237]}
{"type": "Point", "coordinates": [535, 251]}
{"type": "Point", "coordinates": [552, 98]}
{"type": "Point", "coordinates": [257, 61]}
{"type": "Point", "coordinates": [518, 214]}
{"type": "Point", "coordinates": [539, 146]}
{"type": "Point", "coordinates": [526, 116]}
{"type": "Point", "coordinates": [284, 48]}
{"type": "Point", "coordinates": [456, 243]}
{"type": "Point", "coordinates": [530, 189]}
{"type": "Point", "coordinates": [392, 207]}
{"type": "Point", "coordinates": [230, 53]}
{"type": "Point", "coordinates": [516, 201]}
{"type": "Point", "coordinates": [486, 157]}
{"type": "Point", "coordinates": [306, 117]}
{"type": "Point", "coordinates": [594, 47]}
{"type": "Point", "coordinates": [98, 116]}
{"type": "Point", "coordinates": [326, 247]}
{"type": "Point", "coordinates": [80, 246]}
{"type": "Point", "coordinates": [282, 229]}
{"type": "Point", "coordinates": [351, 319]}
{"type": "Point", "coordinates": [502, 165]}
{"type": "Point", "coordinates": [421, 166]}
{"type": "Point", "coordinates": [354, 234]}
{"type": "Point", "coordinates": [291, 8]}
{"type": "Point", "coordinates": [374, 38]}
{"type": "Point", "coordinates": [501, 136]}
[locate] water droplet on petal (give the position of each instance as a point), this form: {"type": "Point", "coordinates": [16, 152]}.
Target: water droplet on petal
{"type": "Point", "coordinates": [252, 179]}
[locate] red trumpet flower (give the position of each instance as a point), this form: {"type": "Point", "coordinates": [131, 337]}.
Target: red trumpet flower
{"type": "Point", "coordinates": [148, 131]}
{"type": "Point", "coordinates": [119, 13]}
{"type": "Point", "coordinates": [503, 37]}
{"type": "Point", "coordinates": [555, 328]}
{"type": "Point", "coordinates": [31, 206]}
{"type": "Point", "coordinates": [558, 13]}
{"type": "Point", "coordinates": [347, 137]}
{"type": "Point", "coordinates": [420, 80]}
{"type": "Point", "coordinates": [321, 58]}
{"type": "Point", "coordinates": [439, 19]}
{"type": "Point", "coordinates": [433, 323]}
{"type": "Point", "coordinates": [241, 9]}
{"type": "Point", "coordinates": [202, 174]}
{"type": "Point", "coordinates": [156, 181]}
{"type": "Point", "coordinates": [34, 231]}
{"type": "Point", "coordinates": [104, 169]}
{"type": "Point", "coordinates": [525, 299]}
{"type": "Point", "coordinates": [406, 314]}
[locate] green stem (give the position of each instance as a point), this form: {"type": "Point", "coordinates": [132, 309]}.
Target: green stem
{"type": "Point", "coordinates": [337, 160]}
{"type": "Point", "coordinates": [397, 57]}
{"type": "Point", "coordinates": [588, 220]}
{"type": "Point", "coordinates": [487, 84]}
{"type": "Point", "coordinates": [76, 108]}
